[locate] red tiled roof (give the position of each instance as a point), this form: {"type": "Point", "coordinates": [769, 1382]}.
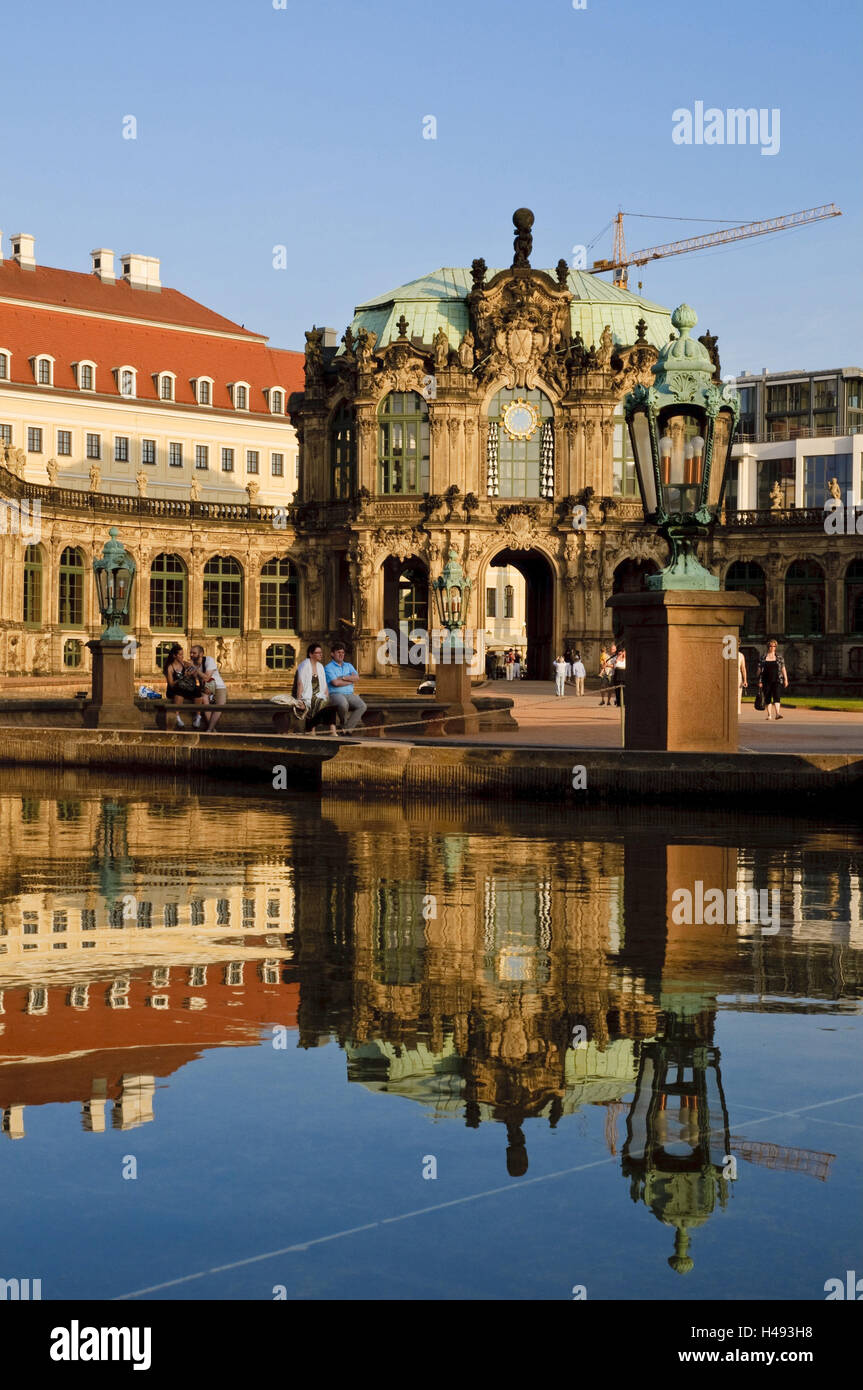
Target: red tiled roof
{"type": "Point", "coordinates": [72, 289]}
{"type": "Point", "coordinates": [26, 332]}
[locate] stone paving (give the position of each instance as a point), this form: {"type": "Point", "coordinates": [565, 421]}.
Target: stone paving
{"type": "Point", "coordinates": [545, 721]}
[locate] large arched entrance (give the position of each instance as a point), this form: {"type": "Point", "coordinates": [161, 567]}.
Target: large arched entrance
{"type": "Point", "coordinates": [539, 608]}
{"type": "Point", "coordinates": [406, 598]}
{"type": "Point", "coordinates": [629, 578]}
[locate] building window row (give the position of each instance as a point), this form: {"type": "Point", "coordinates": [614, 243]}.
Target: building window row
{"type": "Point", "coordinates": [805, 595]}
{"type": "Point", "coordinates": [126, 381]}
{"type": "Point", "coordinates": [168, 596]}
{"type": "Point", "coordinates": [94, 451]}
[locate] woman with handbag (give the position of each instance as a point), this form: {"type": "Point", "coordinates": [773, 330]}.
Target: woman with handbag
{"type": "Point", "coordinates": [772, 676]}
{"type": "Point", "coordinates": [311, 690]}
{"type": "Point", "coordinates": [182, 682]}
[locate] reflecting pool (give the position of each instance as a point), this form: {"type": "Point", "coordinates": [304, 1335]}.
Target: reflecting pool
{"type": "Point", "coordinates": [255, 1047]}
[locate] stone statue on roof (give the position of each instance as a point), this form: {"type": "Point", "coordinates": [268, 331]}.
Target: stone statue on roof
{"type": "Point", "coordinates": [440, 344]}
{"type": "Point", "coordinates": [466, 352]}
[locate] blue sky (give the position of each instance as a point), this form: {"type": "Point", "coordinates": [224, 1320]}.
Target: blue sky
{"type": "Point", "coordinates": [303, 127]}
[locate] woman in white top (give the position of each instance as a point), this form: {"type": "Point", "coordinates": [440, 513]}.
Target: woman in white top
{"type": "Point", "coordinates": [214, 686]}
{"type": "Point", "coordinates": [310, 688]}
{"type": "Point", "coordinates": [560, 677]}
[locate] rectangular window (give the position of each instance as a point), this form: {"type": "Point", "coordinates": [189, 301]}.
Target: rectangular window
{"type": "Point", "coordinates": [491, 603]}
{"type": "Point", "coordinates": [167, 392]}
{"type": "Point", "coordinates": [44, 372]}
{"type": "Point", "coordinates": [64, 442]}
{"type": "Point", "coordinates": [769, 474]}
{"type": "Point", "coordinates": [148, 451]}
{"type": "Point", "coordinates": [277, 462]}
{"type": "Point", "coordinates": [121, 448]}
{"type": "Point", "coordinates": [34, 440]}
{"type": "Point", "coordinates": [5, 434]}
{"type": "Point", "coordinates": [227, 460]}
{"type": "Point", "coordinates": [94, 446]}
{"type": "Point", "coordinates": [818, 472]}
{"type": "Point", "coordinates": [4, 367]}
{"type": "Point", "coordinates": [202, 456]}
{"type": "Point", "coordinates": [203, 393]}
{"type": "Point", "coordinates": [175, 455]}
{"type": "Point", "coordinates": [251, 460]}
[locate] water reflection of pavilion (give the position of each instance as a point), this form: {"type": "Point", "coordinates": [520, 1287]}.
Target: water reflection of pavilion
{"type": "Point", "coordinates": [502, 979]}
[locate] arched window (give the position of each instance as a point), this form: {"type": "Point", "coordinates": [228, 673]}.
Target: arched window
{"type": "Point", "coordinates": [86, 376]}
{"type": "Point", "coordinates": [276, 400]}
{"type": "Point", "coordinates": [168, 583]}
{"type": "Point", "coordinates": [749, 578]}
{"type": "Point", "coordinates": [520, 459]}
{"type": "Point", "coordinates": [804, 599]}
{"type": "Point", "coordinates": [403, 422]}
{"type": "Point", "coordinates": [70, 597]}
{"type": "Point", "coordinates": [33, 586]}
{"type": "Point", "coordinates": [343, 451]}
{"type": "Point", "coordinates": [278, 596]}
{"type": "Point", "coordinates": [241, 395]}
{"type": "Point", "coordinates": [166, 386]}
{"type": "Point", "coordinates": [854, 598]}
{"type": "Point", "coordinates": [223, 594]}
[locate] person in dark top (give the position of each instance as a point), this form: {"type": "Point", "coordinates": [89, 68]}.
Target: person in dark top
{"type": "Point", "coordinates": [618, 679]}
{"type": "Point", "coordinates": [182, 682]}
{"type": "Point", "coordinates": [772, 676]}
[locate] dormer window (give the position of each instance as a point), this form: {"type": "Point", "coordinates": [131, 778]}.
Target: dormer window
{"type": "Point", "coordinates": [85, 373]}
{"type": "Point", "coordinates": [203, 389]}
{"type": "Point", "coordinates": [276, 400]}
{"type": "Point", "coordinates": [5, 365]}
{"type": "Point", "coordinates": [240, 395]}
{"type": "Point", "coordinates": [166, 386]}
{"type": "Point", "coordinates": [127, 380]}
{"type": "Point", "coordinates": [43, 370]}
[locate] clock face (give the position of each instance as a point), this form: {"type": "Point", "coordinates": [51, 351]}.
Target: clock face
{"type": "Point", "coordinates": [520, 419]}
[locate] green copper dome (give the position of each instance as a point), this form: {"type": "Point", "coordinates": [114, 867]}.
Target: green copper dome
{"type": "Point", "coordinates": [439, 300]}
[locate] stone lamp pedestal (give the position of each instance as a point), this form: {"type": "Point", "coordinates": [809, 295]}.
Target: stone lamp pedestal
{"type": "Point", "coordinates": [112, 700]}
{"type": "Point", "coordinates": [681, 668]}
{"type": "Point", "coordinates": [452, 688]}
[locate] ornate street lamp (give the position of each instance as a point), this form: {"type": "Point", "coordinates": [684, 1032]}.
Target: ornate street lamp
{"type": "Point", "coordinates": [681, 430]}
{"type": "Point", "coordinates": [452, 595]}
{"type": "Point", "coordinates": [115, 574]}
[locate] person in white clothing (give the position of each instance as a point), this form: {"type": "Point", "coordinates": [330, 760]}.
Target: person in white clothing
{"type": "Point", "coordinates": [214, 687]}
{"type": "Point", "coordinates": [578, 673]}
{"type": "Point", "coordinates": [310, 688]}
{"type": "Point", "coordinates": [560, 676]}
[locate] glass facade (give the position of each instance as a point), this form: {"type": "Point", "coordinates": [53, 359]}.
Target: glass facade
{"type": "Point", "coordinates": [772, 471]}
{"type": "Point", "coordinates": [818, 469]}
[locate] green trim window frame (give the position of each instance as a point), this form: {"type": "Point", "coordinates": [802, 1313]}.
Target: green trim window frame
{"type": "Point", "coordinates": [73, 653]}
{"type": "Point", "coordinates": [33, 586]}
{"type": "Point", "coordinates": [223, 595]}
{"type": "Point", "coordinates": [343, 452]}
{"type": "Point", "coordinates": [519, 461]}
{"type": "Point", "coordinates": [70, 593]}
{"type": "Point", "coordinates": [278, 596]}
{"type": "Point", "coordinates": [163, 651]}
{"type": "Point", "coordinates": [854, 598]}
{"type": "Point", "coordinates": [744, 576]}
{"type": "Point", "coordinates": [280, 656]}
{"type": "Point", "coordinates": [403, 441]}
{"type": "Point", "coordinates": [804, 599]}
{"type": "Point", "coordinates": [168, 593]}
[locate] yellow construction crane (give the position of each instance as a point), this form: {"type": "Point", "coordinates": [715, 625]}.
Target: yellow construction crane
{"type": "Point", "coordinates": [620, 261]}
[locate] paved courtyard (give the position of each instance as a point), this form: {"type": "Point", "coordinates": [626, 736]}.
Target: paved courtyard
{"type": "Point", "coordinates": [545, 720]}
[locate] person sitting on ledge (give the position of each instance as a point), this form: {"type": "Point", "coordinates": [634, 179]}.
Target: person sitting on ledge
{"type": "Point", "coordinates": [182, 681]}
{"type": "Point", "coordinates": [310, 689]}
{"type": "Point", "coordinates": [341, 678]}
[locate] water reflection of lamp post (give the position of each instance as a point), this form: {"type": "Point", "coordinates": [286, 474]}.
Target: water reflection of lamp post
{"type": "Point", "coordinates": [452, 590]}
{"type": "Point", "coordinates": [111, 703]}
{"type": "Point", "coordinates": [678, 1147]}
{"type": "Point", "coordinates": [111, 856]}
{"type": "Point", "coordinates": [681, 430]}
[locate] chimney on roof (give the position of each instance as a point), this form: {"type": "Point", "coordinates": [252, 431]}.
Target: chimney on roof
{"type": "Point", "coordinates": [141, 272]}
{"type": "Point", "coordinates": [24, 250]}
{"type": "Point", "coordinates": [103, 265]}
{"type": "Point", "coordinates": [330, 338]}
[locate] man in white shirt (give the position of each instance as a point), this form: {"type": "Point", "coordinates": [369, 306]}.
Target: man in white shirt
{"type": "Point", "coordinates": [560, 676]}
{"type": "Point", "coordinates": [578, 673]}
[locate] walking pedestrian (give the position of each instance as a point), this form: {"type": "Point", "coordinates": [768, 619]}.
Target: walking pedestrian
{"type": "Point", "coordinates": [606, 670]}
{"type": "Point", "coordinates": [742, 681]}
{"type": "Point", "coordinates": [772, 676]}
{"type": "Point", "coordinates": [578, 673]}
{"type": "Point", "coordinates": [516, 666]}
{"type": "Point", "coordinates": [508, 661]}
{"type": "Point", "coordinates": [618, 677]}
{"type": "Point", "coordinates": [560, 677]}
